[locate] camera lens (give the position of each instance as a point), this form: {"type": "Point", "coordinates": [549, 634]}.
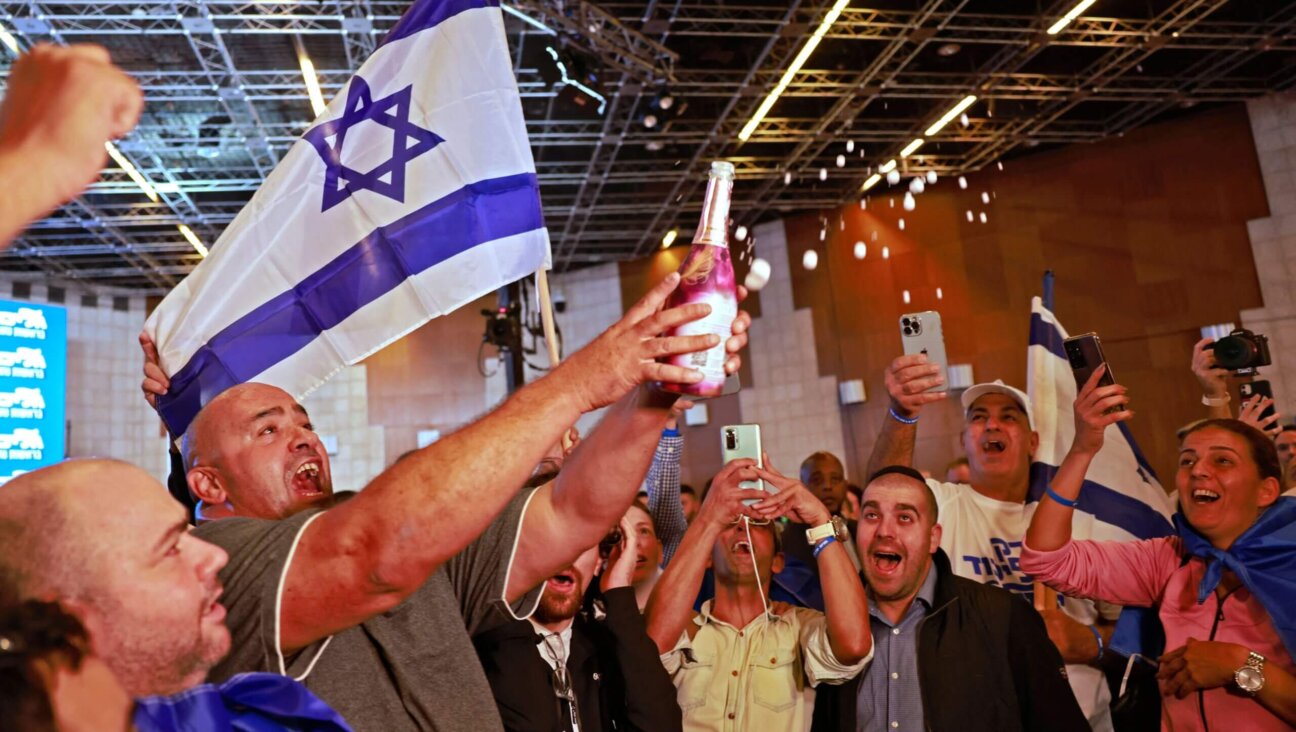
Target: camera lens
{"type": "Point", "coordinates": [905, 322]}
{"type": "Point", "coordinates": [731, 441]}
{"type": "Point", "coordinates": [1234, 352]}
{"type": "Point", "coordinates": [908, 330]}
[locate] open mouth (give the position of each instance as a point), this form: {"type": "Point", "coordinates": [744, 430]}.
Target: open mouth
{"type": "Point", "coordinates": [993, 447]}
{"type": "Point", "coordinates": [306, 479]}
{"type": "Point", "coordinates": [742, 547]}
{"type": "Point", "coordinates": [562, 582]}
{"type": "Point", "coordinates": [640, 560]}
{"type": "Point", "coordinates": [887, 562]}
{"type": "Point", "coordinates": [1204, 496]}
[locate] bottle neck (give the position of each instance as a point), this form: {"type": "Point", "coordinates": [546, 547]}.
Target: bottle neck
{"type": "Point", "coordinates": [713, 228]}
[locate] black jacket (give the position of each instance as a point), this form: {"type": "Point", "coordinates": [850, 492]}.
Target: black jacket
{"type": "Point", "coordinates": [985, 662]}
{"type": "Point", "coordinates": [618, 676]}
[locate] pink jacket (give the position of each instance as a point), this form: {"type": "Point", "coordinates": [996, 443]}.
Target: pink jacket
{"type": "Point", "coordinates": [1152, 573]}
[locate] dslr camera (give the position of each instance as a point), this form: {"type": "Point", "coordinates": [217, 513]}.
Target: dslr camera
{"type": "Point", "coordinates": [1241, 351]}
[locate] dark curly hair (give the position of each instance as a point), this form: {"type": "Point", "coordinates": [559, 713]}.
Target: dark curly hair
{"type": "Point", "coordinates": [31, 631]}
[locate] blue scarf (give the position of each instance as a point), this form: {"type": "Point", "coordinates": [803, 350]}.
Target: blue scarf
{"type": "Point", "coordinates": [1263, 558]}
{"type": "Point", "coordinates": [257, 702]}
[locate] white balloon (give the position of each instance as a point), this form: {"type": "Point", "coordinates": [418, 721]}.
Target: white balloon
{"type": "Point", "coordinates": [962, 182]}
{"type": "Point", "coordinates": [893, 177]}
{"type": "Point", "coordinates": [740, 233]}
{"type": "Point", "coordinates": [917, 185]}
{"type": "Point", "coordinates": [810, 260]}
{"type": "Point", "coordinates": [909, 202]}
{"type": "Point", "coordinates": [758, 275]}
{"type": "Point", "coordinates": [860, 250]}
{"type": "Point", "coordinates": [841, 161]}
{"type": "Point", "coordinates": [931, 176]}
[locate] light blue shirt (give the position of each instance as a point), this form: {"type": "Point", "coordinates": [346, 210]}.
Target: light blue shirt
{"type": "Point", "coordinates": [890, 697]}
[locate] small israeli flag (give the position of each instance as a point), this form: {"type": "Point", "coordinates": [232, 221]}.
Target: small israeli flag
{"type": "Point", "coordinates": [414, 193]}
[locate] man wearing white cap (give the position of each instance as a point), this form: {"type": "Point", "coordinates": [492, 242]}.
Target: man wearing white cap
{"type": "Point", "coordinates": [985, 521]}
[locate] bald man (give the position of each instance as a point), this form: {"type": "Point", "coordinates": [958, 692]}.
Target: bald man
{"type": "Point", "coordinates": [798, 582]}
{"type": "Point", "coordinates": [106, 540]}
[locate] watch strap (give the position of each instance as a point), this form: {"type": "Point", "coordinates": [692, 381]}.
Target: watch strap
{"type": "Point", "coordinates": [815, 533]}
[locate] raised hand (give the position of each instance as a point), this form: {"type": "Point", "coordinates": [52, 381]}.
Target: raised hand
{"type": "Point", "coordinates": [1251, 410]}
{"type": "Point", "coordinates": [907, 380]}
{"type": "Point", "coordinates": [1096, 407]}
{"type": "Point", "coordinates": [156, 382]}
{"type": "Point", "coordinates": [724, 502]}
{"type": "Point", "coordinates": [621, 563]}
{"type": "Point", "coordinates": [1213, 379]}
{"type": "Point", "coordinates": [793, 499]}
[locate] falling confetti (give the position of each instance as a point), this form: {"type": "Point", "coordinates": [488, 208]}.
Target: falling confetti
{"type": "Point", "coordinates": [962, 182]}
{"type": "Point", "coordinates": [1000, 164]}
{"type": "Point", "coordinates": [850, 146]}
{"type": "Point", "coordinates": [823, 234]}
{"type": "Point", "coordinates": [985, 197]}
{"type": "Point", "coordinates": [893, 177]}
{"type": "Point", "coordinates": [886, 252]}
{"type": "Point", "coordinates": [939, 295]}
{"type": "Point", "coordinates": [963, 119]}
{"type": "Point", "coordinates": [758, 275]}
{"type": "Point", "coordinates": [810, 260]}
{"type": "Point", "coordinates": [983, 217]}
{"type": "Point", "coordinates": [863, 203]}
{"type": "Point", "coordinates": [860, 250]}
{"type": "Point", "coordinates": [902, 224]}
{"type": "Point", "coordinates": [909, 202]}
{"type": "Point", "coordinates": [841, 161]}
{"type": "Point", "coordinates": [787, 178]}
{"type": "Point", "coordinates": [823, 174]}
{"type": "Point", "coordinates": [970, 217]}
{"type": "Point", "coordinates": [841, 225]}
{"type": "Point", "coordinates": [891, 201]}
{"type": "Point", "coordinates": [875, 235]}
{"type": "Point", "coordinates": [906, 297]}
{"type": "Point", "coordinates": [931, 177]}
{"type": "Point", "coordinates": [917, 185]}
{"type": "Point", "coordinates": [740, 233]}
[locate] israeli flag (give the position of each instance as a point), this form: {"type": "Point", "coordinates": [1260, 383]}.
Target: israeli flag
{"type": "Point", "coordinates": [1120, 489]}
{"type": "Point", "coordinates": [411, 195]}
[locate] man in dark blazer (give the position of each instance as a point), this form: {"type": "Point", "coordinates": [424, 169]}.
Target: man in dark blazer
{"type": "Point", "coordinates": [591, 663]}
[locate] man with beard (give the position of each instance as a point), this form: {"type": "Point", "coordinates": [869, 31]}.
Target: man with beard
{"type": "Point", "coordinates": [742, 663]}
{"type": "Point", "coordinates": [593, 670]}
{"type": "Point", "coordinates": [950, 654]}
{"type": "Point", "coordinates": [984, 522]}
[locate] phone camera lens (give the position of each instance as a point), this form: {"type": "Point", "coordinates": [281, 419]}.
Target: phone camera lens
{"type": "Point", "coordinates": [730, 442]}
{"type": "Point", "coordinates": [908, 330]}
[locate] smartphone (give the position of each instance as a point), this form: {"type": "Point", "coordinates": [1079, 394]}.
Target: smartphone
{"type": "Point", "coordinates": [743, 441]}
{"type": "Point", "coordinates": [921, 333]}
{"type": "Point", "coordinates": [1259, 387]}
{"type": "Point", "coordinates": [1086, 355]}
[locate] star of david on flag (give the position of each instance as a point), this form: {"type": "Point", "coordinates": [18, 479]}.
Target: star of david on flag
{"type": "Point", "coordinates": [414, 193]}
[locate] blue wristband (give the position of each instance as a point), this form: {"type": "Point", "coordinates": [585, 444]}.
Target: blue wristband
{"type": "Point", "coordinates": [1048, 490]}
{"type": "Point", "coordinates": [898, 418]}
{"type": "Point", "coordinates": [823, 544]}
{"type": "Point", "coordinates": [1098, 637]}
{"type": "Point", "coordinates": [669, 432]}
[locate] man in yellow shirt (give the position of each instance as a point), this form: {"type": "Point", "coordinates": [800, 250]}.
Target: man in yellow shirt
{"type": "Point", "coordinates": [740, 663]}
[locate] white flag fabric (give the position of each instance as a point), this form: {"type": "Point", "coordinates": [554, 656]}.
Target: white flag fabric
{"type": "Point", "coordinates": [1120, 489]}
{"type": "Point", "coordinates": [414, 193]}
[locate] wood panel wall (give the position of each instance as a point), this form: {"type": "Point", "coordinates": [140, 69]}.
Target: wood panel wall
{"type": "Point", "coordinates": [1146, 234]}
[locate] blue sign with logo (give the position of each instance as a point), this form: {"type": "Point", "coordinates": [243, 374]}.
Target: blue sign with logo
{"type": "Point", "coordinates": [33, 385]}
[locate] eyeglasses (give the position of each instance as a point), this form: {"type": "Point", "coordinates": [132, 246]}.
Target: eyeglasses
{"type": "Point", "coordinates": [752, 521]}
{"type": "Point", "coordinates": [562, 681]}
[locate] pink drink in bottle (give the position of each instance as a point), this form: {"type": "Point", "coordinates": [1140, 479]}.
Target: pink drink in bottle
{"type": "Point", "coordinates": [707, 276]}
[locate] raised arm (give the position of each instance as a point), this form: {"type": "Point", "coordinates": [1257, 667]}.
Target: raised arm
{"type": "Point", "coordinates": [599, 481]}
{"type": "Point", "coordinates": [670, 607]}
{"type": "Point", "coordinates": [1213, 380]}
{"type": "Point", "coordinates": [845, 605]}
{"type": "Point", "coordinates": [367, 555]}
{"type": "Point", "coordinates": [663, 485]}
{"type": "Point", "coordinates": [907, 381]}
{"type": "Point", "coordinates": [60, 107]}
{"type": "Point", "coordinates": [1050, 528]}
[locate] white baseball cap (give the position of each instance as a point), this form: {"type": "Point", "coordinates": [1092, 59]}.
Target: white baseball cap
{"type": "Point", "coordinates": [975, 392]}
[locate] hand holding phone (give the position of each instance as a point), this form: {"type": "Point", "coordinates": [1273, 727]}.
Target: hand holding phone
{"type": "Point", "coordinates": [743, 441]}
{"type": "Point", "coordinates": [1084, 353]}
{"type": "Point", "coordinates": [1258, 408]}
{"type": "Point", "coordinates": [921, 333]}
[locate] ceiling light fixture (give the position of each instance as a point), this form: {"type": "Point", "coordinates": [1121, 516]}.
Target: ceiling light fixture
{"type": "Point", "coordinates": [949, 116]}
{"type": "Point", "coordinates": [7, 38]}
{"type": "Point", "coordinates": [193, 239]}
{"type": "Point", "coordinates": [888, 166]}
{"type": "Point", "coordinates": [527, 19]}
{"type": "Point", "coordinates": [872, 181]}
{"type": "Point", "coordinates": [793, 68]}
{"type": "Point", "coordinates": [312, 79]}
{"type": "Point", "coordinates": [909, 149]}
{"type": "Point", "coordinates": [132, 172]}
{"type": "Point", "coordinates": [1071, 15]}
{"type": "Point", "coordinates": [669, 238]}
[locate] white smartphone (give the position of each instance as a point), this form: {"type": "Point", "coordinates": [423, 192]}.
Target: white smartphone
{"type": "Point", "coordinates": [743, 441]}
{"type": "Point", "coordinates": [921, 333]}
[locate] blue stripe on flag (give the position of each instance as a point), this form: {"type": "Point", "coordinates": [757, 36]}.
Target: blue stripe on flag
{"type": "Point", "coordinates": [431, 13]}
{"type": "Point", "coordinates": [1106, 504]}
{"type": "Point", "coordinates": [475, 214]}
{"type": "Point", "coordinates": [1044, 333]}
{"type": "Point", "coordinates": [1138, 454]}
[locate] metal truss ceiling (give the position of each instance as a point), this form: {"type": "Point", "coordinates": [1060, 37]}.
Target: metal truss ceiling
{"type": "Point", "coordinates": [225, 101]}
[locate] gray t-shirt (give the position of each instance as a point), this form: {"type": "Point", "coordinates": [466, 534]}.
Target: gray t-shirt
{"type": "Point", "coordinates": [413, 668]}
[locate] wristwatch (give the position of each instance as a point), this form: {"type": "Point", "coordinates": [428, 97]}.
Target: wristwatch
{"type": "Point", "coordinates": [1250, 678]}
{"type": "Point", "coordinates": [835, 528]}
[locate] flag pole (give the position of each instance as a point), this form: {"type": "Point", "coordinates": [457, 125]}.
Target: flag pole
{"type": "Point", "coordinates": [550, 335]}
{"type": "Point", "coordinates": [1047, 297]}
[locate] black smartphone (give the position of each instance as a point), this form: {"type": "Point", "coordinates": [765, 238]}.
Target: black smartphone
{"type": "Point", "coordinates": [1259, 387]}
{"type": "Point", "coordinates": [1085, 354]}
